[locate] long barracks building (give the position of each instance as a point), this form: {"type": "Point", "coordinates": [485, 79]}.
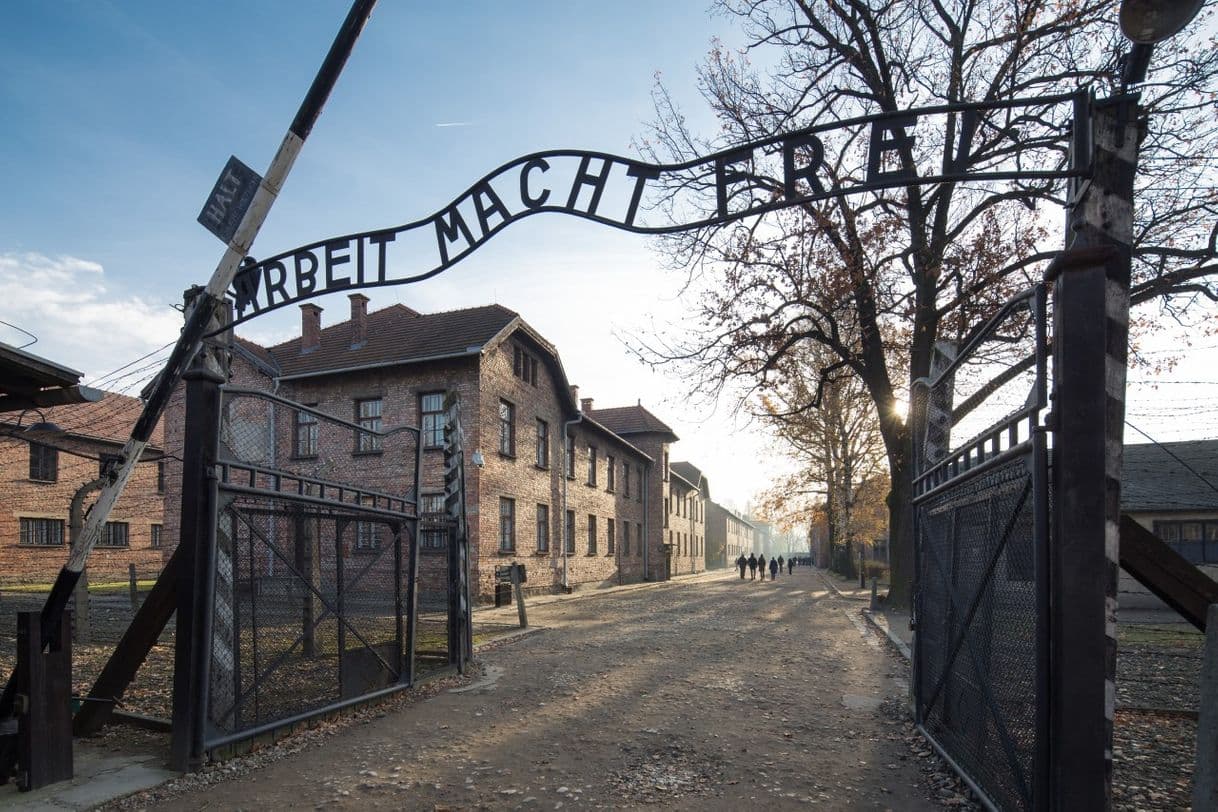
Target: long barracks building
{"type": "Point", "coordinates": [581, 496]}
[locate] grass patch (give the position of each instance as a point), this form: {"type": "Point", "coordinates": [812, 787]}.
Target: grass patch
{"type": "Point", "coordinates": [99, 588]}
{"type": "Point", "coordinates": [1136, 634]}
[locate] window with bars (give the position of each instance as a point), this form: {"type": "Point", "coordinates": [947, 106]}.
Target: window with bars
{"type": "Point", "coordinates": [625, 538]}
{"type": "Point", "coordinates": [160, 476]}
{"type": "Point", "coordinates": [610, 472]}
{"type": "Point", "coordinates": [44, 463]}
{"type": "Point", "coordinates": [639, 491]}
{"type": "Point", "coordinates": [368, 416]}
{"type": "Point", "coordinates": [591, 465]}
{"type": "Point", "coordinates": [570, 457]}
{"type": "Point", "coordinates": [431, 407]}
{"type": "Point", "coordinates": [155, 536]}
{"type": "Point", "coordinates": [591, 534]}
{"type": "Point", "coordinates": [41, 532]}
{"type": "Point", "coordinates": [543, 444]}
{"type": "Point", "coordinates": [433, 527]}
{"type": "Point", "coordinates": [543, 528]}
{"type": "Point", "coordinates": [507, 429]}
{"type": "Point", "coordinates": [306, 435]}
{"type": "Point", "coordinates": [610, 541]}
{"type": "Point", "coordinates": [626, 480]}
{"type": "Point", "coordinates": [507, 525]}
{"type": "Point", "coordinates": [569, 532]}
{"type": "Point", "coordinates": [114, 534]}
{"type": "Point", "coordinates": [1196, 540]}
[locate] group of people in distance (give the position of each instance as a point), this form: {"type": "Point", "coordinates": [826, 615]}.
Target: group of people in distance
{"type": "Point", "coordinates": [757, 562]}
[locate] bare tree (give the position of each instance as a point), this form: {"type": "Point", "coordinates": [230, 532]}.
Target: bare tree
{"type": "Point", "coordinates": [876, 278]}
{"type": "Point", "coordinates": [828, 426]}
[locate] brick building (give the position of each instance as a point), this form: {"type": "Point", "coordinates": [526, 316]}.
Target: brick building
{"type": "Point", "coordinates": [40, 473]}
{"type": "Point", "coordinates": [674, 504]}
{"type": "Point", "coordinates": [728, 536]}
{"type": "Point", "coordinates": [560, 489]}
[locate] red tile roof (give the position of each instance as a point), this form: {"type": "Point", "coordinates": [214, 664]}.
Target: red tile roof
{"type": "Point", "coordinates": [625, 420]}
{"type": "Point", "coordinates": [396, 335]}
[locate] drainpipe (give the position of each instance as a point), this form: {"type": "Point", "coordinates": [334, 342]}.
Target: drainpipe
{"type": "Point", "coordinates": [646, 525]}
{"type": "Point", "coordinates": [565, 479]}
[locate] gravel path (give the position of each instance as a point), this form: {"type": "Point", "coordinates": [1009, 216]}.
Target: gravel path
{"type": "Point", "coordinates": [699, 694]}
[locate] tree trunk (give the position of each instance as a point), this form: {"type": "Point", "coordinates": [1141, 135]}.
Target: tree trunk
{"type": "Point", "coordinates": [900, 532]}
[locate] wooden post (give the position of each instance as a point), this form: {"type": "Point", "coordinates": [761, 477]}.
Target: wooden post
{"type": "Point", "coordinates": [196, 574]}
{"type": "Point", "coordinates": [1205, 773]}
{"type": "Point", "coordinates": [44, 683]}
{"type": "Point", "coordinates": [1090, 340]}
{"type": "Point", "coordinates": [519, 593]}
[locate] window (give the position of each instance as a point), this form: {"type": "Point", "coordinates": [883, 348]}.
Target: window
{"type": "Point", "coordinates": [591, 534]}
{"type": "Point", "coordinates": [431, 407]}
{"type": "Point", "coordinates": [591, 465]}
{"type": "Point", "coordinates": [1196, 540]}
{"type": "Point", "coordinates": [665, 469]}
{"type": "Point", "coordinates": [114, 534]}
{"type": "Point", "coordinates": [610, 472]}
{"type": "Point", "coordinates": [368, 416]}
{"type": "Point", "coordinates": [638, 548]}
{"type": "Point", "coordinates": [105, 462]}
{"type": "Point", "coordinates": [543, 528]}
{"type": "Point", "coordinates": [367, 536]}
{"type": "Point", "coordinates": [160, 476]}
{"type": "Point", "coordinates": [569, 535]}
{"type": "Point", "coordinates": [155, 535]}
{"type": "Point", "coordinates": [306, 435]}
{"type": "Point", "coordinates": [626, 480]}
{"type": "Point", "coordinates": [433, 527]}
{"type": "Point", "coordinates": [543, 444]}
{"type": "Point", "coordinates": [640, 490]}
{"type": "Point", "coordinates": [44, 463]}
{"type": "Point", "coordinates": [507, 429]}
{"type": "Point", "coordinates": [609, 539]}
{"type": "Point", "coordinates": [42, 532]}
{"type": "Point", "coordinates": [507, 524]}
{"type": "Point", "coordinates": [625, 538]}
{"type": "Point", "coordinates": [570, 457]}
{"type": "Point", "coordinates": [524, 366]}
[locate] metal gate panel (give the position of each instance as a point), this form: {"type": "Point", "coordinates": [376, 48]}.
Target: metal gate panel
{"type": "Point", "coordinates": [980, 513]}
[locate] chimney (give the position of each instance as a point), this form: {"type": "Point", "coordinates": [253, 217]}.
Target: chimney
{"type": "Point", "coordinates": [574, 393]}
{"type": "Point", "coordinates": [585, 405]}
{"type": "Point", "coordinates": [359, 320]}
{"type": "Point", "coordinates": [310, 327]}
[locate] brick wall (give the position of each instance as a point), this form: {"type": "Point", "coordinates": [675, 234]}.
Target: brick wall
{"type": "Point", "coordinates": [139, 508]}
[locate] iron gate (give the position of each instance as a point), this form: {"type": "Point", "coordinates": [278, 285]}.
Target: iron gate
{"type": "Point", "coordinates": [307, 592]}
{"type": "Point", "coordinates": [981, 512]}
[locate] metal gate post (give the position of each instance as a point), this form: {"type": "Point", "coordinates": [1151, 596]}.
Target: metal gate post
{"type": "Point", "coordinates": [195, 580]}
{"type": "Point", "coordinates": [1091, 318]}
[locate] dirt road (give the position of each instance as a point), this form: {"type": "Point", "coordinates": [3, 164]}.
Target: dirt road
{"type": "Point", "coordinates": [699, 694]}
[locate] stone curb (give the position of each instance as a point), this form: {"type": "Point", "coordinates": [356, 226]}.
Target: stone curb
{"type": "Point", "coordinates": [880, 621]}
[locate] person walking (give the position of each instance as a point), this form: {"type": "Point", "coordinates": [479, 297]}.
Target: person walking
{"type": "Point", "coordinates": [780, 564]}
{"type": "Point", "coordinates": [773, 568]}
{"type": "Point", "coordinates": [790, 565]}
{"type": "Point", "coordinates": [752, 566]}
{"type": "Point", "coordinates": [742, 562]}
{"type": "Point", "coordinates": [761, 565]}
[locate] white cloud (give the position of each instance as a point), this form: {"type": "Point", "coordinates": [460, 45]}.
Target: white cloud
{"type": "Point", "coordinates": [79, 320]}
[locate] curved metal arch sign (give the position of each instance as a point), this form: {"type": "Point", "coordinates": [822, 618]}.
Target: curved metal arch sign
{"type": "Point", "coordinates": [752, 179]}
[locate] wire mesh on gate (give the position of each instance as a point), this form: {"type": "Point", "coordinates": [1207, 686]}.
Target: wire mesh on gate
{"type": "Point", "coordinates": [317, 542]}
{"type": "Point", "coordinates": [981, 530]}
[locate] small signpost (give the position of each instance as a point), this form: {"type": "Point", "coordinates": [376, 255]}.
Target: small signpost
{"type": "Point", "coordinates": [230, 198]}
{"type": "Point", "coordinates": [515, 575]}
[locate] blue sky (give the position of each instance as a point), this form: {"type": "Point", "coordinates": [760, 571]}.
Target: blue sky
{"type": "Point", "coordinates": [118, 116]}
